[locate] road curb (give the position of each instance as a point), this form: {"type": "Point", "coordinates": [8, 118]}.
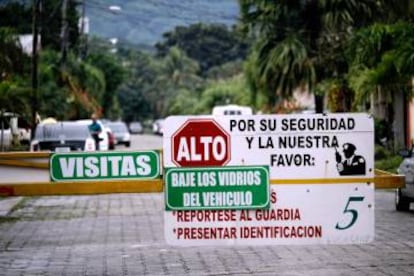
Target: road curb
{"type": "Point", "coordinates": [7, 205]}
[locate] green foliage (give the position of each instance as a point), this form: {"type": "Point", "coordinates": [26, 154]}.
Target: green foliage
{"type": "Point", "coordinates": [324, 45]}
{"type": "Point", "coordinates": [300, 42]}
{"type": "Point", "coordinates": [52, 94]}
{"type": "Point", "coordinates": [138, 95]}
{"type": "Point", "coordinates": [339, 96]}
{"type": "Point", "coordinates": [226, 70]}
{"type": "Point", "coordinates": [113, 75]}
{"type": "Point", "coordinates": [12, 59]}
{"type": "Point", "coordinates": [14, 97]}
{"type": "Point", "coordinates": [70, 92]}
{"type": "Point", "coordinates": [386, 160]}
{"type": "Point", "coordinates": [185, 102]}
{"type": "Point", "coordinates": [381, 55]}
{"type": "Point", "coordinates": [19, 17]}
{"type": "Point", "coordinates": [383, 131]}
{"type": "Point", "coordinates": [228, 91]}
{"type": "Point", "coordinates": [210, 45]}
{"type": "Point", "coordinates": [283, 55]}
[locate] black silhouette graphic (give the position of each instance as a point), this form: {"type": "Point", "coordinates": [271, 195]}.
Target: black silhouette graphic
{"type": "Point", "coordinates": [352, 164]}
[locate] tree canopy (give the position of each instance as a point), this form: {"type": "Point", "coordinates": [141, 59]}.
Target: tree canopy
{"type": "Point", "coordinates": [210, 45]}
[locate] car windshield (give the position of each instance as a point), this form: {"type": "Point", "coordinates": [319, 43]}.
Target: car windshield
{"type": "Point", "coordinates": [118, 127]}
{"type": "Point", "coordinates": [61, 130]}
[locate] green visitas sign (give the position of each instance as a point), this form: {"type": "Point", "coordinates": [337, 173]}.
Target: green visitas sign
{"type": "Point", "coordinates": [203, 188]}
{"type": "Point", "coordinates": [104, 166]}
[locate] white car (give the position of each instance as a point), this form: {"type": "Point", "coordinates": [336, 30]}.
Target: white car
{"type": "Point", "coordinates": [404, 196]}
{"type": "Point", "coordinates": [5, 138]}
{"type": "Point", "coordinates": [231, 109]}
{"type": "Point", "coordinates": [103, 136]}
{"type": "Point", "coordinates": [64, 136]}
{"type": "Point", "coordinates": [158, 126]}
{"type": "Point", "coordinates": [121, 133]}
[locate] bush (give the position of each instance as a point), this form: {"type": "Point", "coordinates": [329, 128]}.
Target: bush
{"type": "Point", "coordinates": [389, 164]}
{"type": "Point", "coordinates": [386, 160]}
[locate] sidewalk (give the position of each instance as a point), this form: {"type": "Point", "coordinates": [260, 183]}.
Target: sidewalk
{"type": "Point", "coordinates": [7, 204]}
{"type": "Point", "coordinates": [123, 234]}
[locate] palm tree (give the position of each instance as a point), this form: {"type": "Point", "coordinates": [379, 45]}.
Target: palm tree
{"type": "Point", "coordinates": [11, 54]}
{"type": "Point", "coordinates": [382, 70]}
{"type": "Point", "coordinates": [293, 37]}
{"type": "Point", "coordinates": [177, 72]}
{"type": "Point", "coordinates": [281, 53]}
{"type": "Point", "coordinates": [72, 92]}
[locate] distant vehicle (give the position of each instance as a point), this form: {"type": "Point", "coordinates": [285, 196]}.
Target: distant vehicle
{"type": "Point", "coordinates": [62, 136]}
{"type": "Point", "coordinates": [136, 128]}
{"type": "Point", "coordinates": [404, 196]}
{"type": "Point", "coordinates": [231, 109]}
{"type": "Point", "coordinates": [121, 133]}
{"type": "Point", "coordinates": [111, 138]}
{"type": "Point", "coordinates": [158, 126]}
{"type": "Point", "coordinates": [103, 136]}
{"type": "Point", "coordinates": [19, 126]}
{"type": "Point", "coordinates": [5, 138]}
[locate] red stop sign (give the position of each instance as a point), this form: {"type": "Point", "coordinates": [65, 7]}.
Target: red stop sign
{"type": "Point", "coordinates": [200, 142]}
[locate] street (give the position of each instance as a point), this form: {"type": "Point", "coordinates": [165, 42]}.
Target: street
{"type": "Point", "coordinates": [143, 142]}
{"type": "Point", "coordinates": [123, 234]}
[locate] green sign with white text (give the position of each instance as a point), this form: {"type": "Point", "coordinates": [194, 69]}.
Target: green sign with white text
{"type": "Point", "coordinates": [104, 166]}
{"type": "Point", "coordinates": [212, 188]}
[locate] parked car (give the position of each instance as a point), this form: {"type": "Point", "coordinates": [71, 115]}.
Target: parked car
{"type": "Point", "coordinates": [121, 133]}
{"type": "Point", "coordinates": [62, 136]}
{"type": "Point", "coordinates": [404, 196]}
{"type": "Point", "coordinates": [158, 126]}
{"type": "Point", "coordinates": [5, 137]}
{"type": "Point", "coordinates": [103, 136]}
{"type": "Point", "coordinates": [231, 109]}
{"type": "Point", "coordinates": [136, 128]}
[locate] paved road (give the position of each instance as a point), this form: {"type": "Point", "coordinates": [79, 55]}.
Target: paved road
{"type": "Point", "coordinates": [122, 234]}
{"type": "Point", "coordinates": [143, 142]}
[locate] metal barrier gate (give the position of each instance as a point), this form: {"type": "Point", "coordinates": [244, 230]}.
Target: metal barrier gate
{"type": "Point", "coordinates": [27, 174]}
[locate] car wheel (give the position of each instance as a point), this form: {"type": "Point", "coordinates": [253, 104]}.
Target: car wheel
{"type": "Point", "coordinates": [401, 203]}
{"type": "Point", "coordinates": [128, 144]}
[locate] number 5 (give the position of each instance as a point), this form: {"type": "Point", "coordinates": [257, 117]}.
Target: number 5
{"type": "Point", "coordinates": [353, 212]}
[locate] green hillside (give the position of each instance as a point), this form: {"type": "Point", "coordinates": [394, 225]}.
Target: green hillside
{"type": "Point", "coordinates": [144, 21]}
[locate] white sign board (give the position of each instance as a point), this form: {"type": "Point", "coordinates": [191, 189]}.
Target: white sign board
{"type": "Point", "coordinates": [328, 157]}
{"type": "Point", "coordinates": [299, 214]}
{"type": "Point", "coordinates": [293, 146]}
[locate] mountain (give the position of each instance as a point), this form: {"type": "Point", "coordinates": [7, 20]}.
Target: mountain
{"type": "Point", "coordinates": [142, 22]}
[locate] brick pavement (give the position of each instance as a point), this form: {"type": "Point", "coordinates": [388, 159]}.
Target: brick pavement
{"type": "Point", "coordinates": [122, 234]}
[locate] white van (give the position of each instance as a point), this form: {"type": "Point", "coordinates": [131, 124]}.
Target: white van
{"type": "Point", "coordinates": [231, 109]}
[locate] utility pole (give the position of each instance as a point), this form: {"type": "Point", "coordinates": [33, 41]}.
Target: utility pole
{"type": "Point", "coordinates": [83, 45]}
{"type": "Point", "coordinates": [64, 32]}
{"type": "Point", "coordinates": [35, 56]}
